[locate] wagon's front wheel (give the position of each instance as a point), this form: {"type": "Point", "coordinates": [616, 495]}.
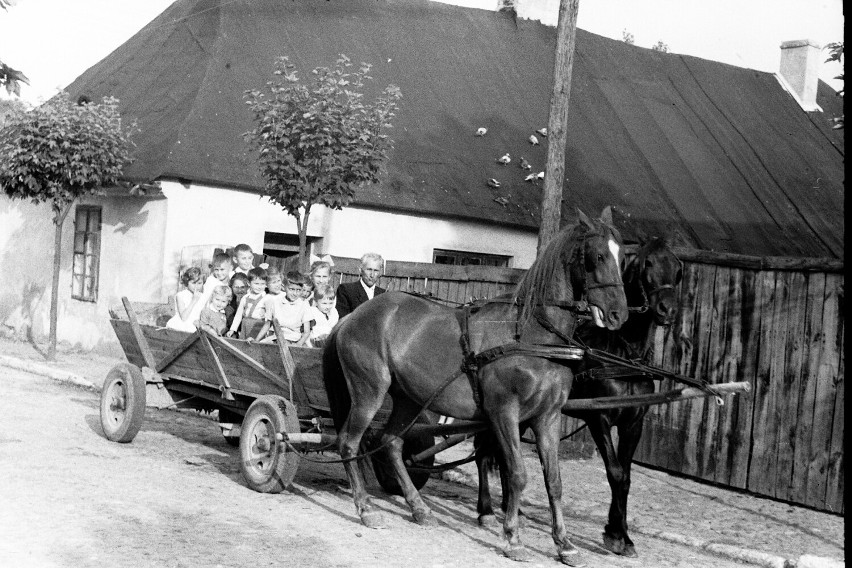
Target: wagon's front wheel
{"type": "Point", "coordinates": [123, 403]}
{"type": "Point", "coordinates": [266, 463]}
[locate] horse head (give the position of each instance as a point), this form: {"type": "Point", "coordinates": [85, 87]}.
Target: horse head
{"type": "Point", "coordinates": [651, 280]}
{"type": "Point", "coordinates": [596, 272]}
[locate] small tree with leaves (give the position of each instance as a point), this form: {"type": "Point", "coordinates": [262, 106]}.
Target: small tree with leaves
{"type": "Point", "coordinates": [627, 37]}
{"type": "Point", "coordinates": [317, 143]}
{"type": "Point", "coordinates": [57, 153]}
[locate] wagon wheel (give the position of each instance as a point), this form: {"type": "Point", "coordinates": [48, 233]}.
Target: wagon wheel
{"type": "Point", "coordinates": [123, 403]}
{"type": "Point", "coordinates": [265, 462]}
{"type": "Point", "coordinates": [411, 445]}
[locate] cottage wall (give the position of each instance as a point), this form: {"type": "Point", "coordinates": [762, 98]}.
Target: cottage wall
{"type": "Point", "coordinates": [130, 259]}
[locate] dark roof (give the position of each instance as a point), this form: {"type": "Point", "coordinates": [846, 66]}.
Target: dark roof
{"type": "Point", "coordinates": [720, 154]}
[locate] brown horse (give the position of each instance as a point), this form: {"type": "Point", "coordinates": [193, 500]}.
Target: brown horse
{"type": "Point", "coordinates": [650, 282]}
{"type": "Point", "coordinates": [417, 350]}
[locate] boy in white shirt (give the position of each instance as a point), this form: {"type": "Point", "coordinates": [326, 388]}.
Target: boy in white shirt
{"type": "Point", "coordinates": [290, 310]}
{"type": "Point", "coordinates": [323, 313]}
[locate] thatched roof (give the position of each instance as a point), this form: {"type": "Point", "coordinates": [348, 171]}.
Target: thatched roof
{"type": "Point", "coordinates": [720, 154]}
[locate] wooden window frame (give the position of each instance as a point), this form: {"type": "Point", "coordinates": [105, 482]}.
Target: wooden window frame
{"type": "Point", "coordinates": [86, 253]}
{"type": "Point", "coordinates": [462, 258]}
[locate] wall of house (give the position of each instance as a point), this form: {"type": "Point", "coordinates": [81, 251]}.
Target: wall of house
{"type": "Point", "coordinates": [396, 236]}
{"type": "Point", "coordinates": [130, 263]}
{"type": "Point", "coordinates": [216, 216]}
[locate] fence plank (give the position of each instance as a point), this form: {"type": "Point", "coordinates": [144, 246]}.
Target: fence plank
{"type": "Point", "coordinates": [834, 367]}
{"type": "Point", "coordinates": [763, 434]}
{"type": "Point", "coordinates": [751, 305]}
{"type": "Point", "coordinates": [808, 419]}
{"type": "Point", "coordinates": [789, 379]}
{"type": "Point", "coordinates": [728, 294]}
{"type": "Point", "coordinates": [702, 417]}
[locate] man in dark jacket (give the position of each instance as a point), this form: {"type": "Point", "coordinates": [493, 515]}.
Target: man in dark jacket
{"type": "Point", "coordinates": [353, 294]}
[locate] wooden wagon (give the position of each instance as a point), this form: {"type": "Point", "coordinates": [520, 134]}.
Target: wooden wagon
{"type": "Point", "coordinates": [274, 396]}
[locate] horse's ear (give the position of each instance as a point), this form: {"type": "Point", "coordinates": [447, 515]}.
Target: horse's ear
{"type": "Point", "coordinates": [584, 219]}
{"type": "Point", "coordinates": [606, 215]}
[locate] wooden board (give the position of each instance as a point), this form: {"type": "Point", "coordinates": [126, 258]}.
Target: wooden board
{"type": "Point", "coordinates": [744, 342]}
{"type": "Point", "coordinates": [763, 422]}
{"type": "Point", "coordinates": [788, 379]}
{"type": "Point", "coordinates": [832, 403]}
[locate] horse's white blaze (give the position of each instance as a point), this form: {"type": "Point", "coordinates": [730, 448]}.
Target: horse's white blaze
{"type": "Point", "coordinates": [614, 249]}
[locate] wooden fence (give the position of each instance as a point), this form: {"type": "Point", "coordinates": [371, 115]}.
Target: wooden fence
{"type": "Point", "coordinates": [777, 323]}
{"type": "Point", "coordinates": [781, 329]}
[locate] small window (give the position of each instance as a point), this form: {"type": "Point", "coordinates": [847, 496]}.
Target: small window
{"type": "Point", "coordinates": [465, 258]}
{"type": "Point", "coordinates": [87, 253]}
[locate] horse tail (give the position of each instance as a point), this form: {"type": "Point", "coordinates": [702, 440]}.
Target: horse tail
{"type": "Point", "coordinates": [487, 451]}
{"type": "Point", "coordinates": [339, 399]}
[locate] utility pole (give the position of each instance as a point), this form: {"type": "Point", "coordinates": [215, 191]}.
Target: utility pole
{"type": "Point", "coordinates": [554, 172]}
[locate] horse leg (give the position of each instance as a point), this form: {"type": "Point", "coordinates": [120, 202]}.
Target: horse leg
{"type": "Point", "coordinates": [404, 413]}
{"type": "Point", "coordinates": [546, 429]}
{"type": "Point", "coordinates": [599, 428]}
{"type": "Point", "coordinates": [349, 440]}
{"type": "Point", "coordinates": [628, 440]}
{"type": "Point", "coordinates": [484, 445]}
{"type": "Point", "coordinates": [506, 431]}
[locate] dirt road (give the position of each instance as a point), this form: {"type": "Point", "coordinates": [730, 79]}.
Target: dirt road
{"type": "Point", "coordinates": [174, 497]}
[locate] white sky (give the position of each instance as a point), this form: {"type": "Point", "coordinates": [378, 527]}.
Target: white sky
{"type": "Point", "coordinates": [54, 41]}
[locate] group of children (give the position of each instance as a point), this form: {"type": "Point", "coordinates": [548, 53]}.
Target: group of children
{"type": "Point", "coordinates": [241, 300]}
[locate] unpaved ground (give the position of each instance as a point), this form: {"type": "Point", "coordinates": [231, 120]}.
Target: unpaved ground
{"type": "Point", "coordinates": [174, 497]}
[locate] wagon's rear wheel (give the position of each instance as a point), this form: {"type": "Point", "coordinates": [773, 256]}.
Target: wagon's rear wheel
{"type": "Point", "coordinates": [265, 462]}
{"type": "Point", "coordinates": [412, 445]}
{"type": "Point", "coordinates": [123, 403]}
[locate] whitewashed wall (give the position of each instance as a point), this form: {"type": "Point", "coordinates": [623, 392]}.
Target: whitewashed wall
{"type": "Point", "coordinates": [199, 215]}
{"type": "Point", "coordinates": [131, 256]}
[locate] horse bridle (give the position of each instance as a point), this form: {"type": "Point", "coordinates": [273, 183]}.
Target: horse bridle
{"type": "Point", "coordinates": [646, 304]}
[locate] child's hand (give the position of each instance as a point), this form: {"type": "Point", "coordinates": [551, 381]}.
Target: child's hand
{"type": "Point", "coordinates": [229, 334]}
{"type": "Point", "coordinates": [249, 339]}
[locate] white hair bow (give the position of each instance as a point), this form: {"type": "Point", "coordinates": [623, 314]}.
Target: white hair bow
{"type": "Point", "coordinates": [325, 258]}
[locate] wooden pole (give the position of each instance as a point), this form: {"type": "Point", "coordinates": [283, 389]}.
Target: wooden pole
{"type": "Point", "coordinates": [554, 173]}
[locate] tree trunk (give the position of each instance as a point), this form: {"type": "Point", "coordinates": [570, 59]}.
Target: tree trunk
{"type": "Point", "coordinates": [551, 204]}
{"type": "Point", "coordinates": [302, 224]}
{"type": "Point", "coordinates": [58, 222]}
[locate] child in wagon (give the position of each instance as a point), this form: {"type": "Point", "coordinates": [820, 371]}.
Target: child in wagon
{"type": "Point", "coordinates": [188, 302]}
{"type": "Point", "coordinates": [252, 309]}
{"type": "Point", "coordinates": [323, 314]}
{"type": "Point", "coordinates": [212, 317]}
{"type": "Point", "coordinates": [291, 312]}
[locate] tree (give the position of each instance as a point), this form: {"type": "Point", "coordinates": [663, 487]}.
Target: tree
{"type": "Point", "coordinates": [660, 46]}
{"type": "Point", "coordinates": [627, 37]}
{"type": "Point", "coordinates": [835, 53]}
{"type": "Point", "coordinates": [317, 143]}
{"type": "Point", "coordinates": [58, 152]}
{"type": "Point", "coordinates": [11, 78]}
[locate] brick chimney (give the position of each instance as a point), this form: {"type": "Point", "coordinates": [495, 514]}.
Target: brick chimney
{"type": "Point", "coordinates": [799, 71]}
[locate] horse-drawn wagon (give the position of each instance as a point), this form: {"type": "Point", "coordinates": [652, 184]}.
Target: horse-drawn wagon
{"type": "Point", "coordinates": [269, 394]}
{"type": "Point", "coordinates": [398, 358]}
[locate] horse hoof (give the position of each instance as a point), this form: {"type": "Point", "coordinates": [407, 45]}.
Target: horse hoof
{"type": "Point", "coordinates": [614, 545]}
{"type": "Point", "coordinates": [489, 521]}
{"type": "Point", "coordinates": [518, 554]}
{"type": "Point", "coordinates": [373, 519]}
{"type": "Point", "coordinates": [571, 558]}
{"type": "Point", "coordinates": [425, 518]}
{"type": "Point", "coordinates": [630, 551]}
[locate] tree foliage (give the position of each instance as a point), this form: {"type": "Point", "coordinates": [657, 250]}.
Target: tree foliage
{"type": "Point", "coordinates": [627, 37]}
{"type": "Point", "coordinates": [56, 153]}
{"type": "Point", "coordinates": [10, 78]}
{"type": "Point", "coordinates": [835, 54]}
{"type": "Point", "coordinates": [317, 142]}
{"type": "Point", "coordinates": [62, 150]}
